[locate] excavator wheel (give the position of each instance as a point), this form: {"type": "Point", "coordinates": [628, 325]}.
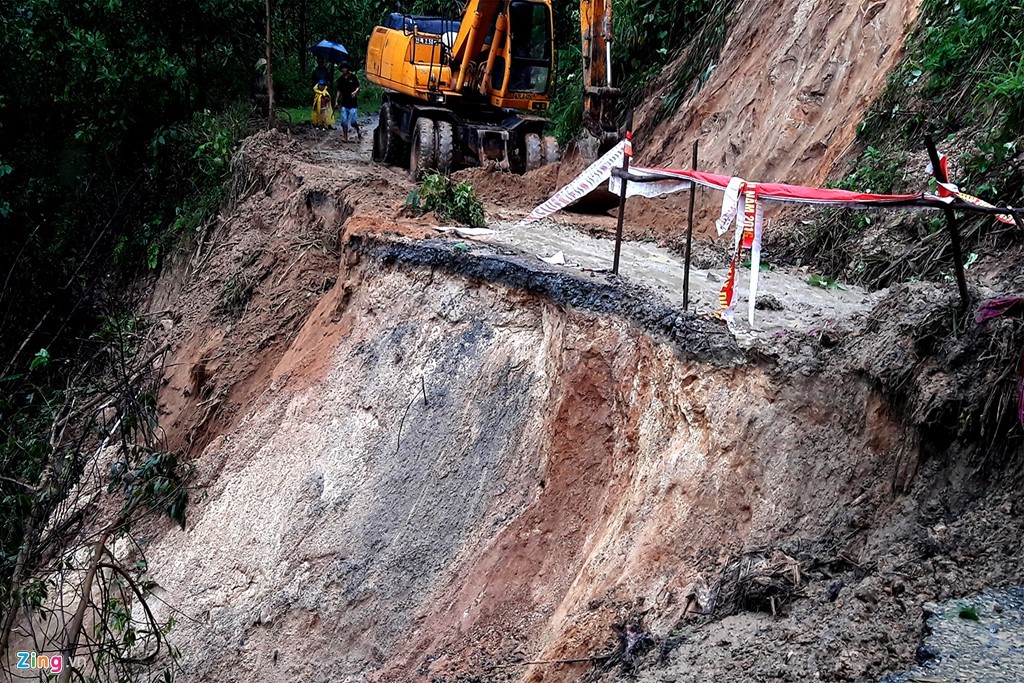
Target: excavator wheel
{"type": "Point", "coordinates": [375, 153]}
{"type": "Point", "coordinates": [423, 157]}
{"type": "Point", "coordinates": [534, 152]}
{"type": "Point", "coordinates": [549, 149]}
{"type": "Point", "coordinates": [445, 146]}
{"type": "Point", "coordinates": [388, 146]}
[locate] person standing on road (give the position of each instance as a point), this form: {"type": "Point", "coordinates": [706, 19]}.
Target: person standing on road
{"type": "Point", "coordinates": [347, 96]}
{"type": "Point", "coordinates": [321, 73]}
{"type": "Point", "coordinates": [323, 115]}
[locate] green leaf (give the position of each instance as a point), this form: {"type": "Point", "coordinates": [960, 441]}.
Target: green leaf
{"type": "Point", "coordinates": [40, 361]}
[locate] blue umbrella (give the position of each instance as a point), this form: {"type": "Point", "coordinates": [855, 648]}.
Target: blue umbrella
{"type": "Point", "coordinates": [331, 52]}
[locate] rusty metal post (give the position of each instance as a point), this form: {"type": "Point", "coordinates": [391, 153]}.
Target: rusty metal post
{"type": "Point", "coordinates": [689, 235]}
{"type": "Point", "coordinates": [627, 153]}
{"type": "Point", "coordinates": [951, 223]}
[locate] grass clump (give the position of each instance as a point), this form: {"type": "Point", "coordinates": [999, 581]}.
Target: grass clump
{"type": "Point", "coordinates": [969, 612]}
{"type": "Point", "coordinates": [449, 201]}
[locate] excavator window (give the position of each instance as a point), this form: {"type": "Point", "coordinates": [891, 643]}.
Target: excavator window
{"type": "Point", "coordinates": [530, 29]}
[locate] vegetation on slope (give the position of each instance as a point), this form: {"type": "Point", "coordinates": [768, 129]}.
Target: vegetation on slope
{"type": "Point", "coordinates": [962, 81]}
{"type": "Point", "coordinates": [118, 121]}
{"type": "Point", "coordinates": [649, 34]}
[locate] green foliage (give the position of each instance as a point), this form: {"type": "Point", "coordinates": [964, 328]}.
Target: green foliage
{"type": "Point", "coordinates": [158, 482]}
{"type": "Point", "coordinates": [966, 63]}
{"type": "Point", "coordinates": [567, 93]}
{"type": "Point", "coordinates": [5, 169]}
{"type": "Point", "coordinates": [648, 35]}
{"type": "Point", "coordinates": [824, 282]}
{"type": "Point", "coordinates": [703, 48]}
{"type": "Point", "coordinates": [26, 413]}
{"type": "Point", "coordinates": [451, 201]}
{"type": "Point", "coordinates": [879, 172]}
{"type": "Point", "coordinates": [963, 75]}
{"type": "Point", "coordinates": [969, 612]}
{"type": "Point", "coordinates": [349, 22]}
{"type": "Point", "coordinates": [763, 266]}
{"type": "Point", "coordinates": [40, 361]}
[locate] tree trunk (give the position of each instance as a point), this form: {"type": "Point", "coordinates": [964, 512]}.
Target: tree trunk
{"type": "Point", "coordinates": [303, 55]}
{"type": "Point", "coordinates": [75, 629]}
{"type": "Point", "coordinates": [272, 115]}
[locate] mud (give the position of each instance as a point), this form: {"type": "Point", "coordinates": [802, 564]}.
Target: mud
{"type": "Point", "coordinates": [977, 638]}
{"type": "Point", "coordinates": [695, 336]}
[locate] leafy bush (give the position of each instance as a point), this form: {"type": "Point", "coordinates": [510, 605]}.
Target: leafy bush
{"type": "Point", "coordinates": [963, 75]}
{"type": "Point", "coordinates": [450, 201]}
{"type": "Point", "coordinates": [879, 172]}
{"type": "Point", "coordinates": [966, 62]}
{"type": "Point", "coordinates": [567, 92]}
{"type": "Point", "coordinates": [651, 33]}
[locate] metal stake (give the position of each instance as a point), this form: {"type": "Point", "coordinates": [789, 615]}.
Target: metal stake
{"type": "Point", "coordinates": [954, 232]}
{"type": "Point", "coordinates": [689, 235]}
{"type": "Point", "coordinates": [622, 192]}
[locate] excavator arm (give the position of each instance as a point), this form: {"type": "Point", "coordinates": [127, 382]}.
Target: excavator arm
{"type": "Point", "coordinates": [477, 19]}
{"type": "Point", "coordinates": [599, 95]}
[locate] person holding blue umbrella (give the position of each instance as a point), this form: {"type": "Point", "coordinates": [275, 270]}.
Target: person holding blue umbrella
{"type": "Point", "coordinates": [322, 115]}
{"type": "Point", "coordinates": [335, 53]}
{"type": "Point", "coordinates": [320, 73]}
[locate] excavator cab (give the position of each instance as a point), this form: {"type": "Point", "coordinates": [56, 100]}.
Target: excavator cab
{"type": "Point", "coordinates": [530, 40]}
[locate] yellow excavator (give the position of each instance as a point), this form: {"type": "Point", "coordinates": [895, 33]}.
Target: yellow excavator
{"type": "Point", "coordinates": [471, 91]}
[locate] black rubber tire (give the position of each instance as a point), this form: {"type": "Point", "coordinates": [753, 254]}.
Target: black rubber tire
{"type": "Point", "coordinates": [383, 133]}
{"type": "Point", "coordinates": [423, 156]}
{"type": "Point", "coordinates": [549, 150]}
{"type": "Point", "coordinates": [392, 147]}
{"type": "Point", "coordinates": [534, 156]}
{"type": "Point", "coordinates": [445, 146]}
{"type": "Point", "coordinates": [376, 154]}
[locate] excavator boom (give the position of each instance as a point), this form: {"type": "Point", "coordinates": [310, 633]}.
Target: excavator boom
{"type": "Point", "coordinates": [599, 94]}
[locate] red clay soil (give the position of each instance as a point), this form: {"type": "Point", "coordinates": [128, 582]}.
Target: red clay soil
{"type": "Point", "coordinates": [259, 271]}
{"type": "Point", "coordinates": [794, 80]}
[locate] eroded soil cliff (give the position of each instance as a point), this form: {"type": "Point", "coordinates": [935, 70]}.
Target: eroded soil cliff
{"type": "Point", "coordinates": [419, 458]}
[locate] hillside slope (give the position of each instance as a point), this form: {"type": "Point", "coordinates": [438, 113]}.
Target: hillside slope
{"type": "Point", "coordinates": [793, 81]}
{"type": "Point", "coordinates": [421, 464]}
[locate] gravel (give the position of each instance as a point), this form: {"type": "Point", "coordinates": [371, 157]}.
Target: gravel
{"type": "Point", "coordinates": [961, 649]}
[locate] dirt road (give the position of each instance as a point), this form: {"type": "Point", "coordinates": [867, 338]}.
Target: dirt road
{"type": "Point", "coordinates": [789, 302]}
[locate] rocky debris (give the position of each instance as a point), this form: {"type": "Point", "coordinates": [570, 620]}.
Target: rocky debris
{"type": "Point", "coordinates": [769, 302]}
{"type": "Point", "coordinates": [570, 444]}
{"type": "Point", "coordinates": [972, 639]}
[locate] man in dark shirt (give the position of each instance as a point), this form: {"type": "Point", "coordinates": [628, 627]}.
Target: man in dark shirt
{"type": "Point", "coordinates": [347, 96]}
